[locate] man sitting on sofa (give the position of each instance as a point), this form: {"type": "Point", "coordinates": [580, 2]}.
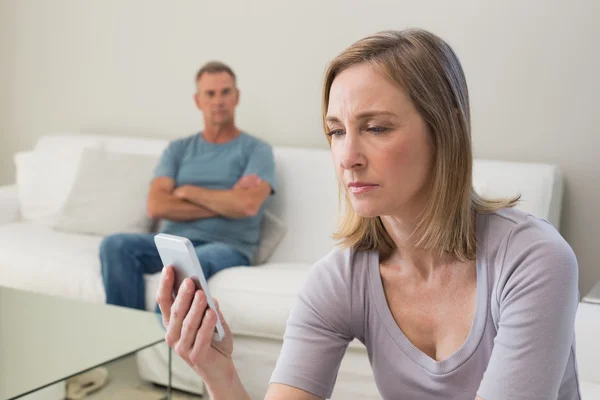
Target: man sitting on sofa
{"type": "Point", "coordinates": [209, 187]}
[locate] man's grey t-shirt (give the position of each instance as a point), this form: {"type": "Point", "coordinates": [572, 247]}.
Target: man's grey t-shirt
{"type": "Point", "coordinates": [520, 346]}
{"type": "Point", "coordinates": [194, 161]}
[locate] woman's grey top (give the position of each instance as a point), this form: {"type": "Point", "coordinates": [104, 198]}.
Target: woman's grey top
{"type": "Point", "coordinates": [520, 346]}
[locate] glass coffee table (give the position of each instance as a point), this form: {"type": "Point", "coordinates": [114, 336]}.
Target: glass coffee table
{"type": "Point", "coordinates": [46, 339]}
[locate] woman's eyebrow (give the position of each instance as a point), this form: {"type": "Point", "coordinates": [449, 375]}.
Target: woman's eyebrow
{"type": "Point", "coordinates": [370, 114]}
{"type": "Point", "coordinates": [331, 118]}
{"type": "Point", "coordinates": [363, 115]}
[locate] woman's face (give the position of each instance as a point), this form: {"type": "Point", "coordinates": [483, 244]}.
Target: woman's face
{"type": "Point", "coordinates": [381, 146]}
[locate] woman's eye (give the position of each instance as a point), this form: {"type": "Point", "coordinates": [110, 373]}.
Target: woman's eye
{"type": "Point", "coordinates": [337, 132]}
{"type": "Point", "coordinates": [377, 129]}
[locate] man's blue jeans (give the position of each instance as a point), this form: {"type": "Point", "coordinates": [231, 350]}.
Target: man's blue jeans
{"type": "Point", "coordinates": [126, 257]}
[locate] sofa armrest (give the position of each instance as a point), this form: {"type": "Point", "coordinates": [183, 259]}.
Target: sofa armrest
{"type": "Point", "coordinates": [587, 332]}
{"type": "Point", "coordinates": [9, 204]}
{"type": "Point", "coordinates": [593, 296]}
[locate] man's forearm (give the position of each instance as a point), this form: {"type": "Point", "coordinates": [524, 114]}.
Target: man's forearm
{"type": "Point", "coordinates": [169, 207]}
{"type": "Point", "coordinates": [223, 202]}
{"type": "Point", "coordinates": [185, 211]}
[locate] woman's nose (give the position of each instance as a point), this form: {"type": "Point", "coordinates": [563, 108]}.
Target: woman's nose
{"type": "Point", "coordinates": [352, 157]}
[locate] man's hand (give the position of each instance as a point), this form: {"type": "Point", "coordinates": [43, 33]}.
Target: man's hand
{"type": "Point", "coordinates": [247, 182]}
{"type": "Point", "coordinates": [182, 192]}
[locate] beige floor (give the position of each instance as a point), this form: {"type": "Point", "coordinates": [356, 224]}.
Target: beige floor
{"type": "Point", "coordinates": [125, 383]}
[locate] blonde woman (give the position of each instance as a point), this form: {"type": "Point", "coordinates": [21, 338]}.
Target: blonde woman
{"type": "Point", "coordinates": [454, 296]}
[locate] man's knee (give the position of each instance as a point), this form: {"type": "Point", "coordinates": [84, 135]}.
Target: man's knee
{"type": "Point", "coordinates": [215, 257]}
{"type": "Point", "coordinates": [114, 253]}
{"type": "Point", "coordinates": [113, 243]}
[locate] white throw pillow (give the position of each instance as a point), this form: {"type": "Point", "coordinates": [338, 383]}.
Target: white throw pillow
{"type": "Point", "coordinates": [272, 232]}
{"type": "Point", "coordinates": [43, 182]}
{"type": "Point", "coordinates": [109, 194]}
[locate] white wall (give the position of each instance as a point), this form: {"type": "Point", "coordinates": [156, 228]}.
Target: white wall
{"type": "Point", "coordinates": [5, 155]}
{"type": "Point", "coordinates": [127, 66]}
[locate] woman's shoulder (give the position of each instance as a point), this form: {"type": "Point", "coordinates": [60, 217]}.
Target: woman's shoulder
{"type": "Point", "coordinates": [515, 227]}
{"type": "Point", "coordinates": [342, 266]}
{"type": "Point", "coordinates": [520, 244]}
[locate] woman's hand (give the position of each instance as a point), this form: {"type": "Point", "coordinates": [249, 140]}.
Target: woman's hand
{"type": "Point", "coordinates": [190, 325]}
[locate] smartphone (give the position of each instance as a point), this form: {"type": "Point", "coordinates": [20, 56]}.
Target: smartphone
{"type": "Point", "coordinates": [179, 253]}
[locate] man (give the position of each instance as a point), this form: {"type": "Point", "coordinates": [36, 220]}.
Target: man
{"type": "Point", "coordinates": [210, 187]}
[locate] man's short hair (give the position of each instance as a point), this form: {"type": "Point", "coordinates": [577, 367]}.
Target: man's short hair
{"type": "Point", "coordinates": [214, 67]}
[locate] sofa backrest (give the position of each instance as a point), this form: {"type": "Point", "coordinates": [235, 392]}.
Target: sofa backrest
{"type": "Point", "coordinates": [76, 143]}
{"type": "Point", "coordinates": [307, 201]}
{"type": "Point", "coordinates": [540, 185]}
{"type": "Point", "coordinates": [307, 193]}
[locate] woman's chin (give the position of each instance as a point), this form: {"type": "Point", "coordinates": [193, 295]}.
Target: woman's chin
{"type": "Point", "coordinates": [366, 212]}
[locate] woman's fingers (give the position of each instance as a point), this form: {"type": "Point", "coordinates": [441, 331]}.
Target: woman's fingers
{"type": "Point", "coordinates": [191, 323]}
{"type": "Point", "coordinates": [164, 296]}
{"type": "Point", "coordinates": [223, 322]}
{"type": "Point", "coordinates": [204, 336]}
{"type": "Point", "coordinates": [179, 310]}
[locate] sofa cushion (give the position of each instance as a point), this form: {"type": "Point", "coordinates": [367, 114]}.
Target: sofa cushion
{"type": "Point", "coordinates": [43, 182]}
{"type": "Point", "coordinates": [272, 232]}
{"type": "Point", "coordinates": [9, 204]}
{"type": "Point", "coordinates": [46, 195]}
{"type": "Point", "coordinates": [589, 390]}
{"type": "Point", "coordinates": [270, 288]}
{"type": "Point", "coordinates": [109, 194]}
{"type": "Point", "coordinates": [37, 258]}
{"type": "Point", "coordinates": [587, 342]}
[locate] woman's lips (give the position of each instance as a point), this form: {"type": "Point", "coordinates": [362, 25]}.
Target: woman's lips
{"type": "Point", "coordinates": [359, 188]}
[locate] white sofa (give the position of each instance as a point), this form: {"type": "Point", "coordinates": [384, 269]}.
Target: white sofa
{"type": "Point", "coordinates": [256, 300]}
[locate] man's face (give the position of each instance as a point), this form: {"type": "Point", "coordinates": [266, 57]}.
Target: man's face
{"type": "Point", "coordinates": [217, 97]}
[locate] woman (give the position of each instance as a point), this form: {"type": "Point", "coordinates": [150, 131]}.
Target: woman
{"type": "Point", "coordinates": [455, 296]}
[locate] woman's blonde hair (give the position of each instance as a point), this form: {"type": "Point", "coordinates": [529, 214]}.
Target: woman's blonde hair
{"type": "Point", "coordinates": [429, 72]}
